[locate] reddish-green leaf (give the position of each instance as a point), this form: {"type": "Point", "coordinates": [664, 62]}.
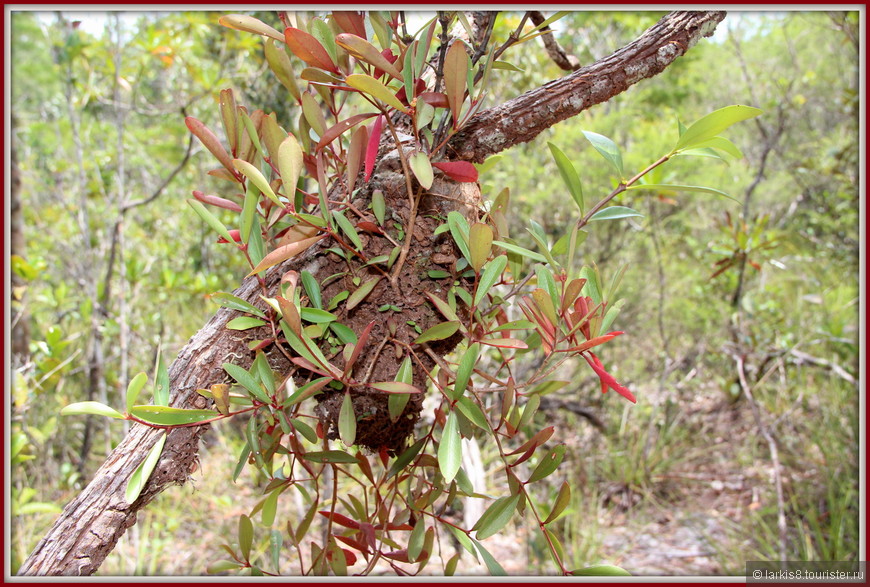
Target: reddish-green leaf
{"type": "Point", "coordinates": [505, 343]}
{"type": "Point", "coordinates": [350, 22]}
{"type": "Point", "coordinates": [356, 155]}
{"type": "Point", "coordinates": [394, 387]}
{"type": "Point", "coordinates": [562, 501]}
{"type": "Point", "coordinates": [211, 220]}
{"type": "Point", "coordinates": [249, 24]}
{"type": "Point", "coordinates": [443, 307]}
{"type": "Point", "coordinates": [438, 332]}
{"type": "Point", "coordinates": [308, 49]}
{"type": "Point", "coordinates": [365, 51]}
{"type": "Point", "coordinates": [372, 148]}
{"type": "Point", "coordinates": [462, 171]}
{"type": "Point", "coordinates": [455, 76]}
{"type": "Point", "coordinates": [283, 253]}
{"type": "Point", "coordinates": [549, 463]}
{"type": "Point", "coordinates": [337, 129]}
{"type": "Point", "coordinates": [279, 63]}
{"type": "Point", "coordinates": [229, 116]}
{"type": "Point", "coordinates": [246, 536]}
{"type": "Point", "coordinates": [216, 201]}
{"type": "Point", "coordinates": [361, 292]}
{"type": "Point", "coordinates": [211, 142]}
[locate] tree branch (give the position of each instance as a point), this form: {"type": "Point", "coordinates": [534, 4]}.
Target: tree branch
{"type": "Point", "coordinates": [522, 119]}
{"type": "Point", "coordinates": [554, 49]}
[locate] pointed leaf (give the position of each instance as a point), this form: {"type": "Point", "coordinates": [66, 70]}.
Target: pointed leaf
{"type": "Point", "coordinates": [520, 251]}
{"type": "Point", "coordinates": [601, 571]}
{"type": "Point", "coordinates": [161, 380]}
{"type": "Point", "coordinates": [91, 408]}
{"type": "Point", "coordinates": [455, 76]}
{"type": "Point", "coordinates": [235, 303]}
{"type": "Point", "coordinates": [281, 254]}
{"type": "Point", "coordinates": [490, 276]}
{"type": "Point", "coordinates": [347, 421]}
{"type": "Point", "coordinates": [549, 463]}
{"type": "Point", "coordinates": [356, 156]}
{"type": "Point", "coordinates": [569, 175]}
{"type": "Point", "coordinates": [680, 188]}
{"type": "Point", "coordinates": [249, 24]}
{"type": "Point", "coordinates": [372, 148]}
{"type": "Point", "coordinates": [211, 142]}
{"type": "Point", "coordinates": [279, 63]}
{"type": "Point", "coordinates": [464, 371]}
{"type": "Point", "coordinates": [258, 179]}
{"type": "Point", "coordinates": [211, 220]}
{"type": "Point", "coordinates": [246, 536]}
{"type": "Point", "coordinates": [369, 85]}
{"type": "Point", "coordinates": [289, 162]}
{"type": "Point", "coordinates": [337, 129]}
{"type": "Point", "coordinates": [496, 516]}
{"type": "Point", "coordinates": [133, 388]}
{"type": "Point", "coordinates": [361, 292]}
{"type": "Point", "coordinates": [608, 150]}
{"type": "Point", "coordinates": [492, 565]}
{"type": "Point", "coordinates": [246, 380]}
{"type": "Point", "coordinates": [438, 332]}
{"type": "Point", "coordinates": [562, 501]}
{"type": "Point", "coordinates": [140, 476]}
{"type": "Point", "coordinates": [308, 49]}
{"type": "Point", "coordinates": [244, 323]}
{"type": "Point", "coordinates": [169, 416]}
{"type": "Point", "coordinates": [712, 124]}
{"type": "Point", "coordinates": [394, 387]}
{"type": "Point", "coordinates": [614, 213]}
{"type": "Point", "coordinates": [479, 244]}
{"type": "Point", "coordinates": [450, 449]}
{"type": "Point", "coordinates": [330, 456]}
{"type": "Point", "coordinates": [365, 51]}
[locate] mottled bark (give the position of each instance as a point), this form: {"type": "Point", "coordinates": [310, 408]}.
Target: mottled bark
{"type": "Point", "coordinates": [90, 526]}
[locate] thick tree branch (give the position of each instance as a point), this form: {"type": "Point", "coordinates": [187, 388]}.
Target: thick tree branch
{"type": "Point", "coordinates": [522, 119]}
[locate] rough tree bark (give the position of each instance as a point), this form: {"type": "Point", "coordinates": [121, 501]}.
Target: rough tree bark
{"type": "Point", "coordinates": [90, 526]}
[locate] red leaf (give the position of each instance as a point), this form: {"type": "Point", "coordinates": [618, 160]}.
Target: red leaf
{"type": "Point", "coordinates": [308, 49]}
{"type": "Point", "coordinates": [458, 170]}
{"type": "Point", "coordinates": [235, 233]}
{"type": "Point", "coordinates": [593, 342]}
{"type": "Point", "coordinates": [434, 99]}
{"type": "Point", "coordinates": [371, 227]}
{"type": "Point", "coordinates": [374, 142]}
{"type": "Point", "coordinates": [340, 519]}
{"type": "Point", "coordinates": [606, 378]}
{"type": "Point", "coordinates": [350, 22]}
{"type": "Point", "coordinates": [216, 201]}
{"type": "Point", "coordinates": [388, 55]}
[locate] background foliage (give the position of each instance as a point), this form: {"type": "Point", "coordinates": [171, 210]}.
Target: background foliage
{"type": "Point", "coordinates": [772, 281]}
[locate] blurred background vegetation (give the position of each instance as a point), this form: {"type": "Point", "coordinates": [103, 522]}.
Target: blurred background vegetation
{"type": "Point", "coordinates": [741, 318]}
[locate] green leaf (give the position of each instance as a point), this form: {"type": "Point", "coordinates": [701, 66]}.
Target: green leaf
{"type": "Point", "coordinates": [422, 169]}
{"type": "Point", "coordinates": [562, 501]}
{"type": "Point", "coordinates": [347, 228]}
{"type": "Point", "coordinates": [614, 212]}
{"type": "Point", "coordinates": [397, 401]}
{"type": "Point", "coordinates": [549, 463]}
{"type": "Point", "coordinates": [347, 421]}
{"type": "Point", "coordinates": [247, 381]}
{"type": "Point", "coordinates": [450, 449]}
{"type": "Point", "coordinates": [404, 459]}
{"type": "Point", "coordinates": [140, 476]}
{"type": "Point", "coordinates": [270, 506]}
{"type": "Point", "coordinates": [235, 303]}
{"type": "Point", "coordinates": [289, 161]}
{"type": "Point", "coordinates": [304, 429]}
{"type": "Point", "coordinates": [362, 49]}
{"type": "Point", "coordinates": [438, 332]}
{"type": "Point", "coordinates": [330, 456]}
{"type": "Point", "coordinates": [379, 206]}
{"type": "Point", "coordinates": [169, 416]}
{"type": "Point", "coordinates": [415, 541]}
{"type": "Point", "coordinates": [361, 292]}
{"type": "Point", "coordinates": [246, 220]}
{"type": "Point", "coordinates": [711, 125]}
{"type": "Point", "coordinates": [276, 541]}
{"type": "Point", "coordinates": [601, 571]}
{"type": "Point", "coordinates": [463, 372]}
{"type": "Point", "coordinates": [312, 288]}
{"type": "Point", "coordinates": [369, 85]}
{"type": "Point", "coordinates": [246, 536]}
{"type": "Point", "coordinates": [460, 231]}
{"type": "Point", "coordinates": [244, 323]}
{"type": "Point", "coordinates": [490, 562]}
{"type": "Point", "coordinates": [569, 175]}
{"type": "Point", "coordinates": [520, 251]}
{"type": "Point", "coordinates": [720, 144]}
{"type": "Point", "coordinates": [316, 316]}
{"type": "Point", "coordinates": [249, 24]}
{"type": "Point", "coordinates": [92, 409]}
{"type": "Point", "coordinates": [496, 516]}
{"type": "Point", "coordinates": [608, 150]}
{"type": "Point", "coordinates": [258, 179]}
{"type": "Point", "coordinates": [660, 187]}
{"type": "Point", "coordinates": [133, 388]}
{"type": "Point", "coordinates": [490, 276]}
{"type": "Point", "coordinates": [211, 220]}
{"type": "Point", "coordinates": [473, 412]}
{"type": "Point", "coordinates": [479, 244]}
{"type": "Point", "coordinates": [279, 63]}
